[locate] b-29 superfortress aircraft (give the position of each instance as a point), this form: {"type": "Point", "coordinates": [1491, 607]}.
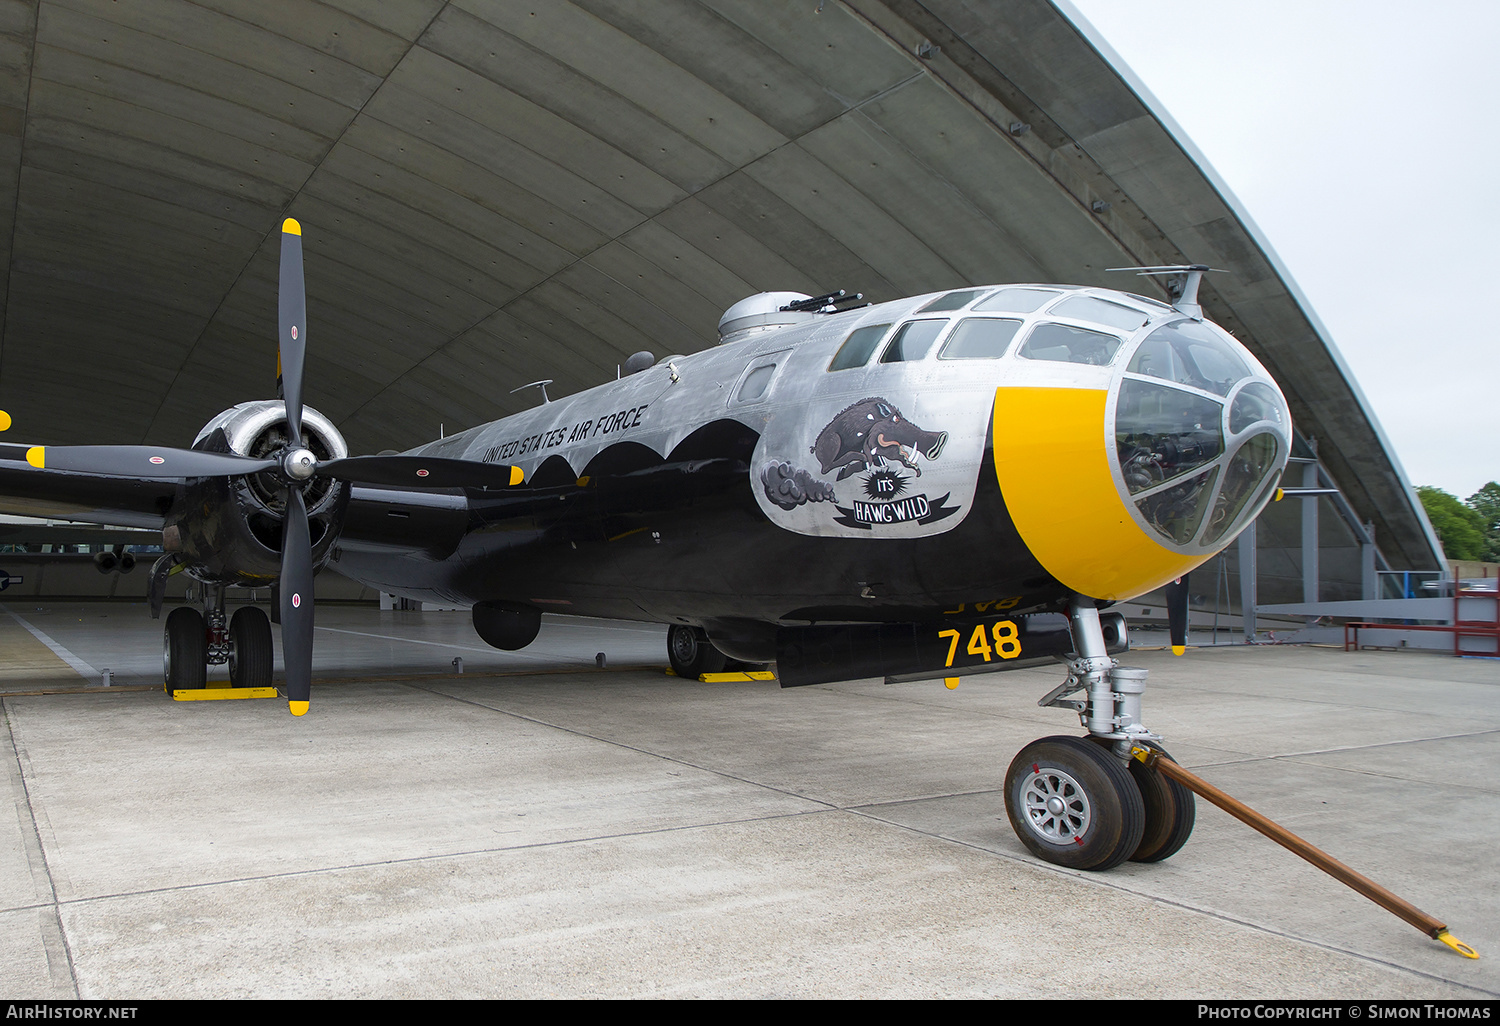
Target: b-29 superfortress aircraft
{"type": "Point", "coordinates": [927, 488]}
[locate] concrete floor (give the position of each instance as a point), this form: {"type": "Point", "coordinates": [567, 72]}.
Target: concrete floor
{"type": "Point", "coordinates": [536, 827]}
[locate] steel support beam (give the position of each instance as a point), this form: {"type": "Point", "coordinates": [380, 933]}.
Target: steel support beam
{"type": "Point", "coordinates": [1369, 580]}
{"type": "Point", "coordinates": [1247, 579]}
{"type": "Point", "coordinates": [1310, 536]}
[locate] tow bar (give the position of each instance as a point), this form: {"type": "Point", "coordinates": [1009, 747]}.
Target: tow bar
{"type": "Point", "coordinates": [1290, 841]}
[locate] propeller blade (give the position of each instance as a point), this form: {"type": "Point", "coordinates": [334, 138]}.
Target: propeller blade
{"type": "Point", "coordinates": [146, 462]}
{"type": "Point", "coordinates": [291, 328]}
{"type": "Point", "coordinates": [1177, 613]}
{"type": "Point", "coordinates": [296, 588]}
{"type": "Point", "coordinates": [421, 472]}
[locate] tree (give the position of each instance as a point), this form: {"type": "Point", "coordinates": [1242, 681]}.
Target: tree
{"type": "Point", "coordinates": [1460, 528]}
{"type": "Point", "coordinates": [1486, 502]}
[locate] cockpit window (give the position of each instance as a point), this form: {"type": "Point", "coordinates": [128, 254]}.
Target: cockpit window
{"type": "Point", "coordinates": [1189, 353]}
{"type": "Point", "coordinates": [912, 341]}
{"type": "Point", "coordinates": [1016, 300]}
{"type": "Point", "coordinates": [1177, 511]}
{"type": "Point", "coordinates": [1249, 467]}
{"type": "Point", "coordinates": [1256, 402]}
{"type": "Point", "coordinates": [1088, 308]}
{"type": "Point", "coordinates": [858, 346]}
{"type": "Point", "coordinates": [979, 338]}
{"type": "Point", "coordinates": [1162, 433]}
{"type": "Point", "coordinates": [1064, 343]}
{"type": "Point", "coordinates": [952, 301]}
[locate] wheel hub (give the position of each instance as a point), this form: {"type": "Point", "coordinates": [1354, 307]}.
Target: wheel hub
{"type": "Point", "coordinates": [1056, 806]}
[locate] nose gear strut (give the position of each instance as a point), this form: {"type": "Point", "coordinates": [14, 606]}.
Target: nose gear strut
{"type": "Point", "coordinates": [1111, 707]}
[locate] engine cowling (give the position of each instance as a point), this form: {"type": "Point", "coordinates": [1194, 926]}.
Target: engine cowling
{"type": "Point", "coordinates": [228, 529]}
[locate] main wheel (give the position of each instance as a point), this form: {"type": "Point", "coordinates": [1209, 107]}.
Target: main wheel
{"type": "Point", "coordinates": [251, 654]}
{"type": "Point", "coordinates": [1074, 804]}
{"type": "Point", "coordinates": [691, 653]}
{"type": "Point", "coordinates": [1171, 811]}
{"type": "Point", "coordinates": [185, 650]}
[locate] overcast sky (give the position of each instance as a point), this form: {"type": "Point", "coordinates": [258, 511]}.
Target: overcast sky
{"type": "Point", "coordinates": [1364, 139]}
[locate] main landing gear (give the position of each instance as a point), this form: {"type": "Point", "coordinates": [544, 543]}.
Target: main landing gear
{"type": "Point", "coordinates": [1085, 803]}
{"type": "Point", "coordinates": [195, 641]}
{"type": "Point", "coordinates": [691, 653]}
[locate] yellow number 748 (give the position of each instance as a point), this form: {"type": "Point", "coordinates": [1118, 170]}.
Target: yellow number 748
{"type": "Point", "coordinates": [1007, 642]}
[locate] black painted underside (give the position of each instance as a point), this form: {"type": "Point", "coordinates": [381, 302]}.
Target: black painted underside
{"type": "Point", "coordinates": [681, 539]}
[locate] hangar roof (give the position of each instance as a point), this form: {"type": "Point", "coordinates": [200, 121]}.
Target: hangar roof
{"type": "Point", "coordinates": [493, 192]}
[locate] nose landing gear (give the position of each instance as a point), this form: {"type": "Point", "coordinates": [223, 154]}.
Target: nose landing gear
{"type": "Point", "coordinates": [1085, 803]}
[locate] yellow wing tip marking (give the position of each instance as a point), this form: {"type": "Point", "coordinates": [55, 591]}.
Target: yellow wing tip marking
{"type": "Point", "coordinates": [37, 457]}
{"type": "Point", "coordinates": [1178, 649]}
{"type": "Point", "coordinates": [4, 421]}
{"type": "Point", "coordinates": [516, 475]}
{"type": "Point", "coordinates": [291, 227]}
{"type": "Point", "coordinates": [298, 708]}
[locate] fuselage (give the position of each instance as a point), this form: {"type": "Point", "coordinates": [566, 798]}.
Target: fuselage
{"type": "Point", "coordinates": [1003, 447]}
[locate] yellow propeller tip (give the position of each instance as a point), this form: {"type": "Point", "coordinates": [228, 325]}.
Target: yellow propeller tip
{"type": "Point", "coordinates": [516, 475]}
{"type": "Point", "coordinates": [1279, 495]}
{"type": "Point", "coordinates": [36, 456]}
{"type": "Point", "coordinates": [4, 421]}
{"type": "Point", "coordinates": [1178, 649]}
{"type": "Point", "coordinates": [950, 683]}
{"type": "Point", "coordinates": [291, 227]}
{"type": "Point", "coordinates": [298, 708]}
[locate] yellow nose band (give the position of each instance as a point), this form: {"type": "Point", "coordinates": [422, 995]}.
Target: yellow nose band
{"type": "Point", "coordinates": [1052, 459]}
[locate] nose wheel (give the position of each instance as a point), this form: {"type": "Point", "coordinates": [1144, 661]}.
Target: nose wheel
{"type": "Point", "coordinates": [1074, 804]}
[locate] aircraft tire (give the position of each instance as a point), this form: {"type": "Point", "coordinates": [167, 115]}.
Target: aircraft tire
{"type": "Point", "coordinates": [1171, 810]}
{"type": "Point", "coordinates": [691, 653]}
{"type": "Point", "coordinates": [185, 650]}
{"type": "Point", "coordinates": [1074, 804]}
{"type": "Point", "coordinates": [252, 656]}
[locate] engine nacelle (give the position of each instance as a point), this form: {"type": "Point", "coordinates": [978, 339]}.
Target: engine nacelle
{"type": "Point", "coordinates": [228, 529]}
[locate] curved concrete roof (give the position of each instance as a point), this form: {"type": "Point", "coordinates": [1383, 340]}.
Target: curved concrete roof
{"type": "Point", "coordinates": [493, 192]}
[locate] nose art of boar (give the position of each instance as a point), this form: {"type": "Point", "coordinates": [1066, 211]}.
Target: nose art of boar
{"type": "Point", "coordinates": [871, 432]}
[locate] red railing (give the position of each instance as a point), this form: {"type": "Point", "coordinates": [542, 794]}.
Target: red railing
{"type": "Point", "coordinates": [1460, 628]}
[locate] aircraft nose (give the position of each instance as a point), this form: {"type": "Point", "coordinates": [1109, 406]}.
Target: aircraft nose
{"type": "Point", "coordinates": [1136, 472]}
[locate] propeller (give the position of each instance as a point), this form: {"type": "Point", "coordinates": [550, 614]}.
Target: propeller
{"type": "Point", "coordinates": [1177, 613]}
{"type": "Point", "coordinates": [299, 465]}
{"type": "Point", "coordinates": [162, 463]}
{"type": "Point", "coordinates": [296, 465]}
{"type": "Point", "coordinates": [142, 461]}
